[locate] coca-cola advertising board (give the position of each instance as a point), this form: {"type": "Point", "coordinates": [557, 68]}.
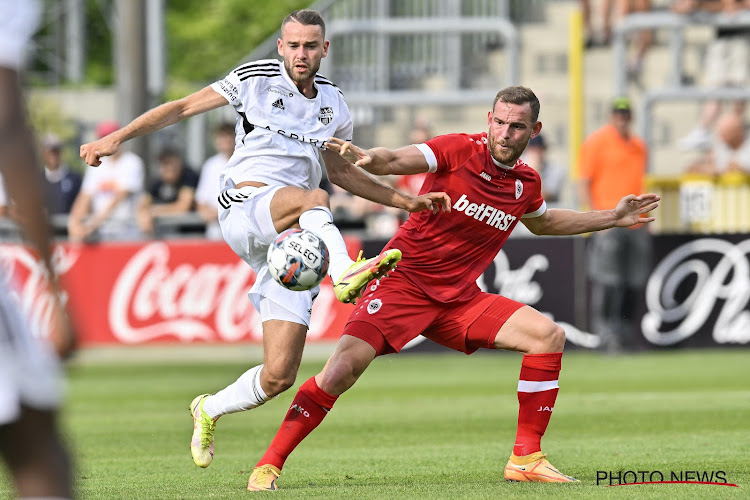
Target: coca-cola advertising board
{"type": "Point", "coordinates": [161, 291]}
{"type": "Point", "coordinates": [698, 292]}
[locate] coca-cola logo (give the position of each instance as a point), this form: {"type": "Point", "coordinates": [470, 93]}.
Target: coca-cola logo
{"type": "Point", "coordinates": [207, 301]}
{"type": "Point", "coordinates": [150, 299]}
{"type": "Point", "coordinates": [688, 285]}
{"type": "Point", "coordinates": [24, 277]}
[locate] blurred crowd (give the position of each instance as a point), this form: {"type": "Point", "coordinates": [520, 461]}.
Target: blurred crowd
{"type": "Point", "coordinates": [119, 200]}
{"type": "Point", "coordinates": [126, 198]}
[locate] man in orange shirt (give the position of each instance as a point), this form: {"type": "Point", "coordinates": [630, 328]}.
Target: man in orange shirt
{"type": "Point", "coordinates": [613, 164]}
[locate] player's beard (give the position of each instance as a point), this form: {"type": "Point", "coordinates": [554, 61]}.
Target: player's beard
{"type": "Point", "coordinates": [301, 78]}
{"type": "Point", "coordinates": [505, 156]}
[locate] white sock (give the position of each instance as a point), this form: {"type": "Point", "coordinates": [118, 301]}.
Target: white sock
{"type": "Point", "coordinates": [244, 394]}
{"type": "Point", "coordinates": [319, 220]}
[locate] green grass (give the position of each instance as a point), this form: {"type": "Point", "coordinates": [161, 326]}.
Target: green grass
{"type": "Point", "coordinates": [421, 426]}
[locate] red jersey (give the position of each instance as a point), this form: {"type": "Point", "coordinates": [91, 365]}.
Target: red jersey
{"type": "Point", "coordinates": [445, 253]}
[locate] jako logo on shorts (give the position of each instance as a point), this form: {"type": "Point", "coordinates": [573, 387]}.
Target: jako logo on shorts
{"type": "Point", "coordinates": [495, 217]}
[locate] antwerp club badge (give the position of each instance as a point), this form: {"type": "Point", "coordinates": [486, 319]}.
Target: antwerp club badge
{"type": "Point", "coordinates": [519, 188]}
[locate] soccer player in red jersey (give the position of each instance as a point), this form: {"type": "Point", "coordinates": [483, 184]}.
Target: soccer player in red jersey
{"type": "Point", "coordinates": [434, 293]}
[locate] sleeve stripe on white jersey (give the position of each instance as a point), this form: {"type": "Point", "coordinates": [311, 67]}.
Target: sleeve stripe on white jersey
{"type": "Point", "coordinates": [429, 155]}
{"type": "Point", "coordinates": [250, 75]}
{"type": "Point", "coordinates": [257, 66]}
{"type": "Point", "coordinates": [257, 70]}
{"type": "Point", "coordinates": [536, 213]}
{"type": "Point", "coordinates": [321, 82]}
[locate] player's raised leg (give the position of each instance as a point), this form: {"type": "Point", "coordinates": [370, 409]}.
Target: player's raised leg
{"type": "Point", "coordinates": [541, 341]}
{"type": "Point", "coordinates": [313, 401]}
{"type": "Point", "coordinates": [291, 205]}
{"type": "Point", "coordinates": [283, 344]}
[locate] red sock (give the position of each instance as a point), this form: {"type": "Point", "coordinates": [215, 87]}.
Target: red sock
{"type": "Point", "coordinates": [310, 406]}
{"type": "Point", "coordinates": [537, 391]}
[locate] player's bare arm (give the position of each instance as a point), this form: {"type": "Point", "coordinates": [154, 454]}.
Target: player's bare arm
{"type": "Point", "coordinates": [347, 176]}
{"type": "Point", "coordinates": [24, 187]}
{"type": "Point", "coordinates": [155, 119]}
{"type": "Point", "coordinates": [381, 161]}
{"type": "Point", "coordinates": [628, 212]}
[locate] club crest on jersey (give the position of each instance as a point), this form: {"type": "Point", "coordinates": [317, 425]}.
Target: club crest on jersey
{"type": "Point", "coordinates": [519, 188]}
{"type": "Point", "coordinates": [326, 115]}
{"type": "Point", "coordinates": [374, 306]}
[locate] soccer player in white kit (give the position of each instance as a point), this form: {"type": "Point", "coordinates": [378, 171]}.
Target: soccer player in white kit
{"type": "Point", "coordinates": [285, 113]}
{"type": "Point", "coordinates": [30, 377]}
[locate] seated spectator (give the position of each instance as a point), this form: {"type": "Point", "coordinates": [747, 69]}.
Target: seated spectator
{"type": "Point", "coordinates": [207, 192]}
{"type": "Point", "coordinates": [61, 184]}
{"type": "Point", "coordinates": [726, 65]}
{"type": "Point", "coordinates": [171, 194]}
{"type": "Point", "coordinates": [622, 8]}
{"type": "Point", "coordinates": [106, 204]}
{"type": "Point", "coordinates": [730, 151]}
{"type": "Point", "coordinates": [553, 174]}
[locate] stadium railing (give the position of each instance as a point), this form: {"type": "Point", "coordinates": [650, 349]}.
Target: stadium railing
{"type": "Point", "coordinates": [702, 204]}
{"type": "Point", "coordinates": [676, 24]}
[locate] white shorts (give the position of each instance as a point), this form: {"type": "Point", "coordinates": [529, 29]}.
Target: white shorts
{"type": "Point", "coordinates": [30, 373]}
{"type": "Point", "coordinates": [247, 227]}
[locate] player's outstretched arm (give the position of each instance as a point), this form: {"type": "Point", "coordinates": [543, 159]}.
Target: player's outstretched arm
{"type": "Point", "coordinates": [557, 221]}
{"type": "Point", "coordinates": [381, 161]}
{"type": "Point", "coordinates": [155, 119]}
{"type": "Point", "coordinates": [353, 179]}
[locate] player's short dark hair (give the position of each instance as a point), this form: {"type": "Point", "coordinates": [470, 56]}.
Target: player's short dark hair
{"type": "Point", "coordinates": [519, 95]}
{"type": "Point", "coordinates": [306, 17]}
{"type": "Point", "coordinates": [224, 128]}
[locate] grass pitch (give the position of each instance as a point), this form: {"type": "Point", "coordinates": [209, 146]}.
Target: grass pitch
{"type": "Point", "coordinates": [421, 426]}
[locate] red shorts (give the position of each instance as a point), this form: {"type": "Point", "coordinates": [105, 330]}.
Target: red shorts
{"type": "Point", "coordinates": [395, 311]}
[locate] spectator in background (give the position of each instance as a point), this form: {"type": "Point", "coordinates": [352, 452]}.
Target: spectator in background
{"type": "Point", "coordinates": [171, 194]}
{"type": "Point", "coordinates": [730, 150]}
{"type": "Point", "coordinates": [553, 174]}
{"type": "Point", "coordinates": [613, 165]}
{"type": "Point", "coordinates": [106, 205]}
{"type": "Point", "coordinates": [727, 64]}
{"type": "Point", "coordinates": [207, 192]}
{"type": "Point", "coordinates": [61, 185]}
{"type": "Point", "coordinates": [622, 8]}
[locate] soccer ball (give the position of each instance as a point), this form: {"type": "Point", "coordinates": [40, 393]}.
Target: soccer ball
{"type": "Point", "coordinates": [298, 259]}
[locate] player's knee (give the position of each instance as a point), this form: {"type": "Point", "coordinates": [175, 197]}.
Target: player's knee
{"type": "Point", "coordinates": [277, 381]}
{"type": "Point", "coordinates": [554, 338]}
{"type": "Point", "coordinates": [316, 198]}
{"type": "Point", "coordinates": [339, 376]}
{"type": "Point", "coordinates": [546, 337]}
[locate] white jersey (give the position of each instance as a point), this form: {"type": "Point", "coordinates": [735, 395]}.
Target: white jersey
{"type": "Point", "coordinates": [279, 131]}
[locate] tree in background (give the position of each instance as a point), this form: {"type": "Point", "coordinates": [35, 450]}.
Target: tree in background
{"type": "Point", "coordinates": [204, 39]}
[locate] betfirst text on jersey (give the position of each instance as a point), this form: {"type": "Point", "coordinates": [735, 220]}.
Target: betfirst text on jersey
{"type": "Point", "coordinates": [484, 213]}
